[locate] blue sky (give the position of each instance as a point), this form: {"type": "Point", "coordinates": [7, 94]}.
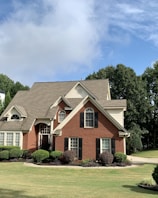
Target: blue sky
{"type": "Point", "coordinates": [58, 40]}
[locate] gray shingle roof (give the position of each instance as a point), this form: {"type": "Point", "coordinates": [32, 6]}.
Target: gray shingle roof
{"type": "Point", "coordinates": [36, 102]}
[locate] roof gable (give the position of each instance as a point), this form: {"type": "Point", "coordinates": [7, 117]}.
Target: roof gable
{"type": "Point", "coordinates": [78, 91]}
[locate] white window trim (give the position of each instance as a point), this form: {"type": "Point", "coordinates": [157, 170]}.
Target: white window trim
{"type": "Point", "coordinates": [101, 147]}
{"type": "Point", "coordinates": [14, 138]}
{"type": "Point", "coordinates": [59, 113]}
{"type": "Point", "coordinates": [69, 145]}
{"type": "Point", "coordinates": [85, 111]}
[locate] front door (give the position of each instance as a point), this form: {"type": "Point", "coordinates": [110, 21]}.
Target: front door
{"type": "Point", "coordinates": [45, 143]}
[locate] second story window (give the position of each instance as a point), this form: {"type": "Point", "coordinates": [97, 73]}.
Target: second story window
{"type": "Point", "coordinates": [89, 117]}
{"type": "Point", "coordinates": [61, 116]}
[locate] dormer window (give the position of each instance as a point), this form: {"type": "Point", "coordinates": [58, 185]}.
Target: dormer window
{"type": "Point", "coordinates": [15, 117]}
{"type": "Point", "coordinates": [61, 116]}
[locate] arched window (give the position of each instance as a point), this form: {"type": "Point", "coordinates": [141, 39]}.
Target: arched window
{"type": "Point", "coordinates": [61, 116]}
{"type": "Point", "coordinates": [89, 117]}
{"type": "Point", "coordinates": [15, 117]}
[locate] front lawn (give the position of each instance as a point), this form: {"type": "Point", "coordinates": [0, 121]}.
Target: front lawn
{"type": "Point", "coordinates": [19, 181]}
{"type": "Point", "coordinates": [147, 153]}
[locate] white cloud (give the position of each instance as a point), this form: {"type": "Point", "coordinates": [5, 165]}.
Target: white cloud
{"type": "Point", "coordinates": [43, 39]}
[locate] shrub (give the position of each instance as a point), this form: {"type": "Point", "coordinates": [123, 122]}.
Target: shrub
{"type": "Point", "coordinates": [40, 155]}
{"type": "Point", "coordinates": [120, 157]}
{"type": "Point", "coordinates": [155, 174]}
{"type": "Point", "coordinates": [4, 155]}
{"type": "Point", "coordinates": [56, 154]}
{"type": "Point", "coordinates": [68, 156]}
{"type": "Point", "coordinates": [26, 154]}
{"type": "Point", "coordinates": [8, 147]}
{"type": "Point", "coordinates": [106, 158]}
{"type": "Point", "coordinates": [15, 153]}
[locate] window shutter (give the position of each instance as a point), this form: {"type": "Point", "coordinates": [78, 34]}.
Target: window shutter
{"type": "Point", "coordinates": [113, 146]}
{"type": "Point", "coordinates": [96, 120]}
{"type": "Point", "coordinates": [97, 148]}
{"type": "Point", "coordinates": [81, 119]}
{"type": "Point", "coordinates": [65, 144]}
{"type": "Point", "coordinates": [80, 148]}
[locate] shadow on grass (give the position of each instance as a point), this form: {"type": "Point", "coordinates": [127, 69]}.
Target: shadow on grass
{"type": "Point", "coordinates": [6, 193]}
{"type": "Point", "coordinates": [140, 190]}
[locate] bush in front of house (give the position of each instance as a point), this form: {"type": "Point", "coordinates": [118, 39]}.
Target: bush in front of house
{"type": "Point", "coordinates": [106, 158]}
{"type": "Point", "coordinates": [4, 155]}
{"type": "Point", "coordinates": [8, 147]}
{"type": "Point", "coordinates": [56, 154]}
{"type": "Point", "coordinates": [40, 155]}
{"type": "Point", "coordinates": [15, 153]}
{"type": "Point", "coordinates": [155, 174]}
{"type": "Point", "coordinates": [68, 157]}
{"type": "Point", "coordinates": [120, 157]}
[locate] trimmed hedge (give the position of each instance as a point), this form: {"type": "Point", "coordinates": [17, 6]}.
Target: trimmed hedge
{"type": "Point", "coordinates": [56, 154]}
{"type": "Point", "coordinates": [68, 156]}
{"type": "Point", "coordinates": [4, 155]}
{"type": "Point", "coordinates": [106, 158]}
{"type": "Point", "coordinates": [8, 147]}
{"type": "Point", "coordinates": [40, 155]}
{"type": "Point", "coordinates": [120, 157]}
{"type": "Point", "coordinates": [15, 153]}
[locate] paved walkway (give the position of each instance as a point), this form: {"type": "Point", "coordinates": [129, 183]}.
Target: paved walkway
{"type": "Point", "coordinates": [135, 161]}
{"type": "Point", "coordinates": [142, 160]}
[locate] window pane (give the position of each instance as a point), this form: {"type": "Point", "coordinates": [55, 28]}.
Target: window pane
{"type": "Point", "coordinates": [62, 115]}
{"type": "Point", "coordinates": [17, 139]}
{"type": "Point", "coordinates": [74, 146]}
{"type": "Point", "coordinates": [106, 145]}
{"type": "Point", "coordinates": [89, 117]}
{"type": "Point", "coordinates": [9, 141]}
{"type": "Point", "coordinates": [2, 139]}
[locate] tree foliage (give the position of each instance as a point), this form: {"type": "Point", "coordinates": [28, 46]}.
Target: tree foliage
{"type": "Point", "coordinates": [10, 88]}
{"type": "Point", "coordinates": [125, 84]}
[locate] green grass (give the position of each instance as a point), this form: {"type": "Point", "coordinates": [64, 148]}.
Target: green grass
{"type": "Point", "coordinates": [19, 181]}
{"type": "Point", "coordinates": [148, 153]}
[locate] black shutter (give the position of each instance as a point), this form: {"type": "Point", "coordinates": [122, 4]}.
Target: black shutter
{"type": "Point", "coordinates": [80, 149]}
{"type": "Point", "coordinates": [65, 144]}
{"type": "Point", "coordinates": [81, 119]}
{"type": "Point", "coordinates": [96, 120]}
{"type": "Point", "coordinates": [97, 148]}
{"type": "Point", "coordinates": [113, 146]}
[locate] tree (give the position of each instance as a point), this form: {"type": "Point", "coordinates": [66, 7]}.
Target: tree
{"type": "Point", "coordinates": [150, 80]}
{"type": "Point", "coordinates": [7, 99]}
{"type": "Point", "coordinates": [125, 84]}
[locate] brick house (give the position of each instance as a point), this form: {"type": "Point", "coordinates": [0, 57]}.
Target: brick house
{"type": "Point", "coordinates": [74, 115]}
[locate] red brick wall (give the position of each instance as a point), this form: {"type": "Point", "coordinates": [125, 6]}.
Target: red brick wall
{"type": "Point", "coordinates": [30, 140]}
{"type": "Point", "coordinates": [105, 130]}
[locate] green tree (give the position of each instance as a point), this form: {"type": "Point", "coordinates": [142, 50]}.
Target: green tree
{"type": "Point", "coordinates": [125, 84]}
{"type": "Point", "coordinates": [150, 79]}
{"type": "Point", "coordinates": [7, 99]}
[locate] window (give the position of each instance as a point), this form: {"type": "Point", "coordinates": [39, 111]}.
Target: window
{"type": "Point", "coordinates": [74, 144]}
{"type": "Point", "coordinates": [105, 145]}
{"type": "Point", "coordinates": [2, 139]}
{"type": "Point", "coordinates": [44, 129]}
{"type": "Point", "coordinates": [15, 117]}
{"type": "Point", "coordinates": [89, 117]}
{"type": "Point", "coordinates": [11, 139]}
{"type": "Point", "coordinates": [61, 116]}
{"type": "Point", "coordinates": [17, 139]}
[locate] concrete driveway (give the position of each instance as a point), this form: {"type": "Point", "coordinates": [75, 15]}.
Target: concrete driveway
{"type": "Point", "coordinates": [142, 160]}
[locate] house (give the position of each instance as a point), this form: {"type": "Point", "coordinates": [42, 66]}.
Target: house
{"type": "Point", "coordinates": [74, 115]}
